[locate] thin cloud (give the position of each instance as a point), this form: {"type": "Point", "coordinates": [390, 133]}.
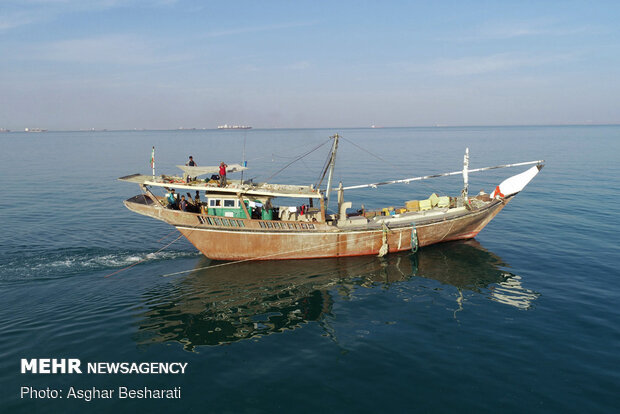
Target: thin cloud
{"type": "Point", "coordinates": [507, 30]}
{"type": "Point", "coordinates": [256, 29]}
{"type": "Point", "coordinates": [19, 13]}
{"type": "Point", "coordinates": [521, 30]}
{"type": "Point", "coordinates": [295, 66]}
{"type": "Point", "coordinates": [113, 49]}
{"type": "Point", "coordinates": [15, 19]}
{"type": "Point", "coordinates": [479, 65]}
{"type": "Point", "coordinates": [89, 4]}
{"type": "Point", "coordinates": [302, 65]}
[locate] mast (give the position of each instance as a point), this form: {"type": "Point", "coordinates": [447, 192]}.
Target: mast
{"type": "Point", "coordinates": [332, 164]}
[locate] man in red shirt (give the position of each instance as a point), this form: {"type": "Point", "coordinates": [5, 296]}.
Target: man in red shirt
{"type": "Point", "coordinates": [223, 174]}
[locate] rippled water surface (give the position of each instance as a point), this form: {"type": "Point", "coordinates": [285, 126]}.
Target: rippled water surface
{"type": "Point", "coordinates": [522, 319]}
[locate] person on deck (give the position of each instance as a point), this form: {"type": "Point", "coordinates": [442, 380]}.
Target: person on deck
{"type": "Point", "coordinates": [223, 174]}
{"type": "Point", "coordinates": [190, 204]}
{"type": "Point", "coordinates": [183, 204]}
{"type": "Point", "coordinates": [171, 197]}
{"type": "Point", "coordinates": [190, 163]}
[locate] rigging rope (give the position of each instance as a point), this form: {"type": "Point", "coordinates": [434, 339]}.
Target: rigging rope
{"type": "Point", "coordinates": [365, 150]}
{"type": "Point", "coordinates": [296, 159]}
{"type": "Point", "coordinates": [324, 169]}
{"type": "Point", "coordinates": [275, 155]}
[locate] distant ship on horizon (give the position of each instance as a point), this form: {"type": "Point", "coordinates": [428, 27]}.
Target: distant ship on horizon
{"type": "Point", "coordinates": [226, 126]}
{"type": "Point", "coordinates": [34, 130]}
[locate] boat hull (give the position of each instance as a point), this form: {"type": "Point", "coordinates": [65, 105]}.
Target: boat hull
{"type": "Point", "coordinates": [242, 239]}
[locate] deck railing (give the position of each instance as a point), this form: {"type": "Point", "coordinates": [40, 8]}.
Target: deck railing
{"type": "Point", "coordinates": [263, 224]}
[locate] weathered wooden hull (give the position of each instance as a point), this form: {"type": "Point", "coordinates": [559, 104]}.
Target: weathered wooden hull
{"type": "Point", "coordinates": [221, 238]}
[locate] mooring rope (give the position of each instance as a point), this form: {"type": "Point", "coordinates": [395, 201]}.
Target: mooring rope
{"type": "Point", "coordinates": [143, 260]}
{"type": "Point", "coordinates": [166, 236]}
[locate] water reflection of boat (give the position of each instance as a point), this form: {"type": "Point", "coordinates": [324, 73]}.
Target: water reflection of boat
{"type": "Point", "coordinates": [245, 300]}
{"type": "Point", "coordinates": [469, 266]}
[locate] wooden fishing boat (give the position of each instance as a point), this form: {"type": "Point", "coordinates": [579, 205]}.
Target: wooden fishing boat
{"type": "Point", "coordinates": [242, 221]}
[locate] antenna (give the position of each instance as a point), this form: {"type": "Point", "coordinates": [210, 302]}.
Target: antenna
{"type": "Point", "coordinates": [243, 162]}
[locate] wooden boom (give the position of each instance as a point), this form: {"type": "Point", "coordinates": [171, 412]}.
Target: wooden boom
{"type": "Point", "coordinates": [426, 177]}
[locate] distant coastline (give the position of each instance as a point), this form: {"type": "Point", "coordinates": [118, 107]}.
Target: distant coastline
{"type": "Point", "coordinates": [226, 126]}
{"type": "Point", "coordinates": [32, 130]}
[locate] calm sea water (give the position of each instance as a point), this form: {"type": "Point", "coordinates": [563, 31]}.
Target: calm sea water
{"type": "Point", "coordinates": [522, 319]}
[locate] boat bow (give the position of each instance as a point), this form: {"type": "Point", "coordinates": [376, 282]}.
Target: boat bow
{"type": "Point", "coordinates": [516, 183]}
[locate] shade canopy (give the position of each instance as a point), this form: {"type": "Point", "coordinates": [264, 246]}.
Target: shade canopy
{"type": "Point", "coordinates": [198, 171]}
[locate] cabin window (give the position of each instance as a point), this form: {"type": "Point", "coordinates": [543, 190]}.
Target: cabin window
{"type": "Point", "coordinates": [215, 202]}
{"type": "Point", "coordinates": [229, 203]}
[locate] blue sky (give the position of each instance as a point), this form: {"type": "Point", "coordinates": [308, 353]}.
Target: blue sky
{"type": "Point", "coordinates": [79, 64]}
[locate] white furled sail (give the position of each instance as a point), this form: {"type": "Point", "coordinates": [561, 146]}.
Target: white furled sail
{"type": "Point", "coordinates": [515, 183]}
